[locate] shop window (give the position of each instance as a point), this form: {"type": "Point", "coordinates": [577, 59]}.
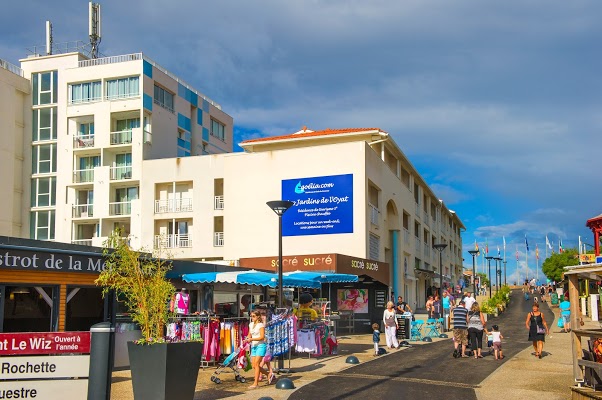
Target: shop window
{"type": "Point", "coordinates": [85, 307]}
{"type": "Point", "coordinates": [27, 309]}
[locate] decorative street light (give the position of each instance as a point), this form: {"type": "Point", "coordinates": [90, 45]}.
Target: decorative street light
{"type": "Point", "coordinates": [440, 247]}
{"type": "Point", "coordinates": [488, 258]}
{"type": "Point", "coordinates": [505, 273]}
{"type": "Point", "coordinates": [474, 253]}
{"type": "Point", "coordinates": [280, 207]}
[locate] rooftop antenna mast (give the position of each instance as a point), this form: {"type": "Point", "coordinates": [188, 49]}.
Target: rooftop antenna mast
{"type": "Point", "coordinates": [94, 28]}
{"type": "Point", "coordinates": [48, 38]}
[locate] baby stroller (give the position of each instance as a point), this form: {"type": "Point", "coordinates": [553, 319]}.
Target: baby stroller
{"type": "Point", "coordinates": [230, 362]}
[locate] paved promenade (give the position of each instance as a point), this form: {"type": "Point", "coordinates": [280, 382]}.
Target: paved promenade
{"type": "Point", "coordinates": [424, 368]}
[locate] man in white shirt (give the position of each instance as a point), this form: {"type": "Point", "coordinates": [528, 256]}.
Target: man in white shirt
{"type": "Point", "coordinates": [469, 301]}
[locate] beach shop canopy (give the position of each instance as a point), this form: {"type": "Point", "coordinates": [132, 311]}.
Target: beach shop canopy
{"type": "Point", "coordinates": [322, 277]}
{"type": "Point", "coordinates": [251, 277]}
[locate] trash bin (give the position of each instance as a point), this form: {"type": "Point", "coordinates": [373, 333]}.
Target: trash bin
{"type": "Point", "coordinates": [555, 299]}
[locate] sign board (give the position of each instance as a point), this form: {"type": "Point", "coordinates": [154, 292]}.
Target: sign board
{"type": "Point", "coordinates": [598, 260]}
{"type": "Point", "coordinates": [380, 298]}
{"type": "Point", "coordinates": [26, 260]}
{"type": "Point", "coordinates": [44, 343]}
{"type": "Point", "coordinates": [47, 390]}
{"type": "Point", "coordinates": [44, 367]}
{"type": "Point", "coordinates": [587, 258]}
{"type": "Point", "coordinates": [323, 205]}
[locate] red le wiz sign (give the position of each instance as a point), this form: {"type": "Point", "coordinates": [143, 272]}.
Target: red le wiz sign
{"type": "Point", "coordinates": [21, 344]}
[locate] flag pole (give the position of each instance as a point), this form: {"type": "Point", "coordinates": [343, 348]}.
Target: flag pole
{"type": "Point", "coordinates": [517, 269]}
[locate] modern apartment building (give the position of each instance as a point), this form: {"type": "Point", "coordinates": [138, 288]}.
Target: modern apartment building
{"type": "Point", "coordinates": [15, 153]}
{"type": "Point", "coordinates": [94, 122]}
{"type": "Point", "coordinates": [119, 142]}
{"type": "Point", "coordinates": [374, 205]}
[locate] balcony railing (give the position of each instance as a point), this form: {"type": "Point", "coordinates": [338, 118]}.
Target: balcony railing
{"type": "Point", "coordinates": [427, 250]}
{"type": "Point", "coordinates": [406, 236]}
{"type": "Point", "coordinates": [173, 205]}
{"type": "Point", "coordinates": [120, 208]}
{"type": "Point", "coordinates": [118, 173]}
{"type": "Point", "coordinates": [373, 214]}
{"type": "Point", "coordinates": [83, 141]}
{"type": "Point", "coordinates": [121, 137]}
{"type": "Point", "coordinates": [83, 211]}
{"type": "Point", "coordinates": [82, 242]}
{"type": "Point", "coordinates": [148, 137]}
{"type": "Point", "coordinates": [426, 218]}
{"type": "Point", "coordinates": [173, 241]}
{"type": "Point", "coordinates": [218, 203]}
{"type": "Point", "coordinates": [83, 175]}
{"type": "Point", "coordinates": [417, 210]}
{"type": "Point", "coordinates": [417, 243]}
{"type": "Point", "coordinates": [218, 239]}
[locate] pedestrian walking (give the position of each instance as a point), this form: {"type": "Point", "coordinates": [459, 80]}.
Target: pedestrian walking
{"type": "Point", "coordinates": [497, 342]}
{"type": "Point", "coordinates": [429, 306]}
{"type": "Point", "coordinates": [437, 308]}
{"type": "Point", "coordinates": [565, 314]}
{"type": "Point", "coordinates": [391, 326]}
{"type": "Point", "coordinates": [476, 326]}
{"type": "Point", "coordinates": [460, 320]}
{"type": "Point", "coordinates": [258, 345]}
{"type": "Point", "coordinates": [538, 329]}
{"type": "Point", "coordinates": [375, 337]}
{"type": "Point", "coordinates": [446, 302]}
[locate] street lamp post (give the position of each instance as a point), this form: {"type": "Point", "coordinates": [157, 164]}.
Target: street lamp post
{"type": "Point", "coordinates": [489, 268]}
{"type": "Point", "coordinates": [280, 207]}
{"type": "Point", "coordinates": [498, 268]}
{"type": "Point", "coordinates": [474, 253]}
{"type": "Point", "coordinates": [440, 247]}
{"type": "Point", "coordinates": [505, 283]}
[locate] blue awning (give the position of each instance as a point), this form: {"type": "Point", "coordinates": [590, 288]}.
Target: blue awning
{"type": "Point", "coordinates": [322, 277]}
{"type": "Point", "coordinates": [251, 277]}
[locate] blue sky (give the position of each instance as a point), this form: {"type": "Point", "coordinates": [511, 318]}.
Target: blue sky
{"type": "Point", "coordinates": [496, 103]}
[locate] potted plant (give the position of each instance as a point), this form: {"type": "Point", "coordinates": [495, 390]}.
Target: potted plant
{"type": "Point", "coordinates": [160, 369]}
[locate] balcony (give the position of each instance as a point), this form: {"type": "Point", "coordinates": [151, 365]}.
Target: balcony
{"type": "Point", "coordinates": [218, 239]}
{"type": "Point", "coordinates": [218, 203]}
{"type": "Point", "coordinates": [121, 137]}
{"type": "Point", "coordinates": [417, 243]}
{"type": "Point", "coordinates": [173, 205]}
{"type": "Point", "coordinates": [406, 236]}
{"type": "Point", "coordinates": [426, 218]}
{"type": "Point", "coordinates": [373, 214]}
{"type": "Point", "coordinates": [120, 173]}
{"type": "Point", "coordinates": [182, 240]}
{"type": "Point", "coordinates": [83, 211]}
{"type": "Point", "coordinates": [417, 210]}
{"type": "Point", "coordinates": [120, 208]}
{"type": "Point", "coordinates": [427, 251]}
{"type": "Point", "coordinates": [82, 242]}
{"type": "Point", "coordinates": [148, 137]}
{"type": "Point", "coordinates": [83, 175]}
{"type": "Point", "coordinates": [83, 141]}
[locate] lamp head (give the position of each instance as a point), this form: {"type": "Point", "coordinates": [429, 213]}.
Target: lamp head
{"type": "Point", "coordinates": [473, 252]}
{"type": "Point", "coordinates": [440, 246]}
{"type": "Point", "coordinates": [489, 257]}
{"type": "Point", "coordinates": [280, 206]}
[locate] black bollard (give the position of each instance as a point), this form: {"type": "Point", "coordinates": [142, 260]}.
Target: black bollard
{"type": "Point", "coordinates": [99, 381]}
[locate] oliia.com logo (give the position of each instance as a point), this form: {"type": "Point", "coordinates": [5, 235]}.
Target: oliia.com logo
{"type": "Point", "coordinates": [312, 187]}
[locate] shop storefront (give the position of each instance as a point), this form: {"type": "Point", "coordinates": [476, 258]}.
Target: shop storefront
{"type": "Point", "coordinates": [359, 303]}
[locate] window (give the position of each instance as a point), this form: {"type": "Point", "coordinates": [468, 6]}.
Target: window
{"type": "Point", "coordinates": [86, 130]}
{"type": "Point", "coordinates": [44, 88]}
{"type": "Point", "coordinates": [164, 98]}
{"type": "Point", "coordinates": [374, 247]}
{"type": "Point", "coordinates": [218, 130]}
{"type": "Point", "coordinates": [84, 92]}
{"type": "Point", "coordinates": [43, 192]}
{"type": "Point", "coordinates": [123, 160]}
{"type": "Point", "coordinates": [127, 124]}
{"type": "Point", "coordinates": [42, 225]}
{"type": "Point", "coordinates": [184, 143]}
{"type": "Point", "coordinates": [43, 159]}
{"type": "Point", "coordinates": [44, 124]}
{"type": "Point", "coordinates": [122, 88]}
{"type": "Point", "coordinates": [89, 162]}
{"type": "Point", "coordinates": [126, 194]}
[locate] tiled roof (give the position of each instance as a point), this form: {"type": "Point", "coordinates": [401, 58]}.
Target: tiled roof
{"type": "Point", "coordinates": [308, 133]}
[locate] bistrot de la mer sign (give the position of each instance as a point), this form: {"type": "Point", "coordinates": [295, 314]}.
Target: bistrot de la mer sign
{"type": "Point", "coordinates": [322, 205]}
{"type": "Point", "coordinates": [50, 261]}
{"type": "Point", "coordinates": [27, 373]}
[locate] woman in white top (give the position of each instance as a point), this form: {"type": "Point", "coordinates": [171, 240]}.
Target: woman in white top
{"type": "Point", "coordinates": [258, 345]}
{"type": "Point", "coordinates": [391, 326]}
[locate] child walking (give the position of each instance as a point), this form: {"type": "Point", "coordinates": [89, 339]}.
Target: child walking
{"type": "Point", "coordinates": [375, 337]}
{"type": "Point", "coordinates": [497, 342]}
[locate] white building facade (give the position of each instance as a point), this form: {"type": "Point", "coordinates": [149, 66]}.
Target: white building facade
{"type": "Point", "coordinates": [94, 122]}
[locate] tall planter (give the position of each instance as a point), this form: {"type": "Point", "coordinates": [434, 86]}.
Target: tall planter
{"type": "Point", "coordinates": [164, 371]}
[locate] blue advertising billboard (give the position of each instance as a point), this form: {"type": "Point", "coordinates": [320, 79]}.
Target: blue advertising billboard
{"type": "Point", "coordinates": [323, 205]}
